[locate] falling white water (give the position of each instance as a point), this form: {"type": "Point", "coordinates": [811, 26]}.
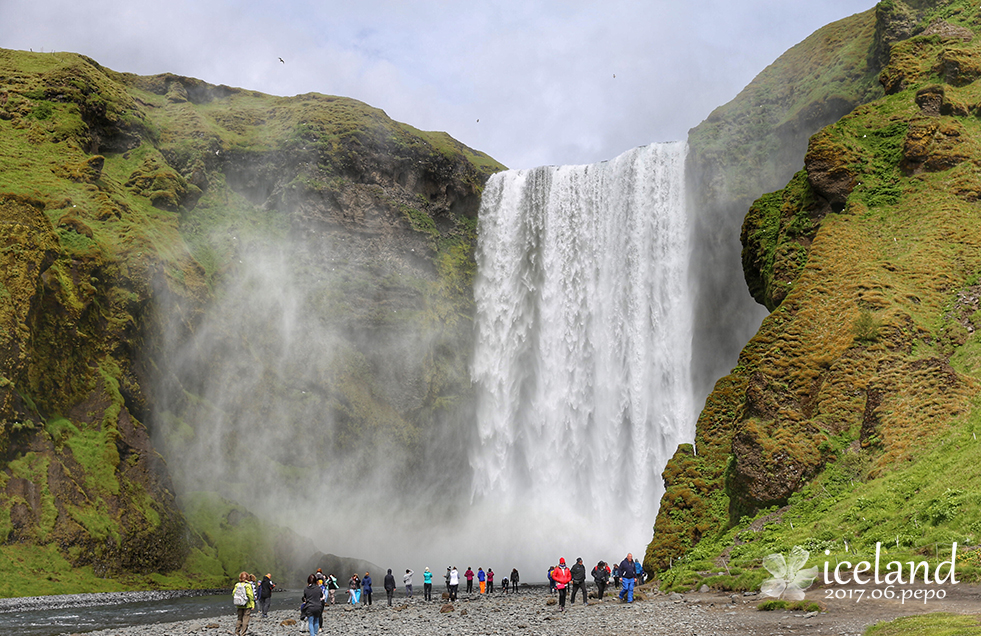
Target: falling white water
{"type": "Point", "coordinates": [583, 349]}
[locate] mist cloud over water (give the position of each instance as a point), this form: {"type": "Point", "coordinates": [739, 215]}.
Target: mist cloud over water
{"type": "Point", "coordinates": [283, 397]}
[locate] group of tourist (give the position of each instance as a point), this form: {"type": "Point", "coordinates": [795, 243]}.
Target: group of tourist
{"type": "Point", "coordinates": [626, 575]}
{"type": "Point", "coordinates": [245, 594]}
{"type": "Point", "coordinates": [485, 581]}
{"type": "Point", "coordinates": [321, 588]}
{"type": "Point", "coordinates": [320, 591]}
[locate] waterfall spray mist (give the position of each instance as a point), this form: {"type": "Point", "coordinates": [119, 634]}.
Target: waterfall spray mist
{"type": "Point", "coordinates": [583, 351]}
{"type": "Point", "coordinates": [283, 397]}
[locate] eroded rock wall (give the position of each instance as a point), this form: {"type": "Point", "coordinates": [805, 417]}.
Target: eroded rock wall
{"type": "Point", "coordinates": [856, 281]}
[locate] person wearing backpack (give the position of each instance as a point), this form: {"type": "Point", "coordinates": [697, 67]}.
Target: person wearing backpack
{"type": "Point", "coordinates": [244, 599]}
{"type": "Point", "coordinates": [313, 605]}
{"type": "Point", "coordinates": [265, 594]}
{"type": "Point", "coordinates": [601, 574]}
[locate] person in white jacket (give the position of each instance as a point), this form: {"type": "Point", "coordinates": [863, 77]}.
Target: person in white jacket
{"type": "Point", "coordinates": [454, 582]}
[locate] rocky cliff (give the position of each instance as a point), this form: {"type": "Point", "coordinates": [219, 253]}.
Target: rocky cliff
{"type": "Point", "coordinates": [752, 145]}
{"type": "Point", "coordinates": [861, 380]}
{"type": "Point", "coordinates": [128, 205]}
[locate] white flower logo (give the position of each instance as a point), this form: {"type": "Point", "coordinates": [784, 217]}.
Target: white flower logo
{"type": "Point", "coordinates": [789, 580]}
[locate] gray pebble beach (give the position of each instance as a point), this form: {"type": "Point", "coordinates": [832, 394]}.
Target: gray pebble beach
{"type": "Point", "coordinates": [528, 613]}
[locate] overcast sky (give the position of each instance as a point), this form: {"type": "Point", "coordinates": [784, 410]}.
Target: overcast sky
{"type": "Point", "coordinates": [562, 82]}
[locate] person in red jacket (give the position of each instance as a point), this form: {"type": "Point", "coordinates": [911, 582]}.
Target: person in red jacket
{"type": "Point", "coordinates": [562, 575]}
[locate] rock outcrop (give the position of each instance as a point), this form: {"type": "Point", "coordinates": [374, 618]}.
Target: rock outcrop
{"type": "Point", "coordinates": [752, 145]}
{"type": "Point", "coordinates": [127, 204]}
{"type": "Point", "coordinates": [859, 258]}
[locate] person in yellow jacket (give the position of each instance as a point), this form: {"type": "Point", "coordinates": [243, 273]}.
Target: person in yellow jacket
{"type": "Point", "coordinates": [243, 591]}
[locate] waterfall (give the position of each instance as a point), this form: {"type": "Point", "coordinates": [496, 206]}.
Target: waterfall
{"type": "Point", "coordinates": [583, 348]}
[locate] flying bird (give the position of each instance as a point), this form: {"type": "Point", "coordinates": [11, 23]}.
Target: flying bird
{"type": "Point", "coordinates": [282, 60]}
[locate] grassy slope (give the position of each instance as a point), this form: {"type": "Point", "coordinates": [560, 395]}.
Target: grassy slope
{"type": "Point", "coordinates": [933, 624]}
{"type": "Point", "coordinates": [143, 212]}
{"type": "Point", "coordinates": [852, 417]}
{"type": "Point", "coordinates": [749, 136]}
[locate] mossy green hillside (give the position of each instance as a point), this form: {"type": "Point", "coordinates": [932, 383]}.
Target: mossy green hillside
{"type": "Point", "coordinates": [61, 411]}
{"type": "Point", "coordinates": [754, 144]}
{"type": "Point", "coordinates": [71, 311]}
{"type": "Point", "coordinates": [915, 514]}
{"type": "Point", "coordinates": [225, 539]}
{"type": "Point", "coordinates": [938, 624]}
{"type": "Point", "coordinates": [229, 539]}
{"type": "Point", "coordinates": [43, 570]}
{"type": "Point", "coordinates": [864, 374]}
{"type": "Point", "coordinates": [126, 198]}
{"type": "Point", "coordinates": [750, 141]}
{"type": "Point", "coordinates": [777, 232]}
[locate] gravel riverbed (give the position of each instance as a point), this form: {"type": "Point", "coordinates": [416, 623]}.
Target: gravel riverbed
{"type": "Point", "coordinates": [529, 613]}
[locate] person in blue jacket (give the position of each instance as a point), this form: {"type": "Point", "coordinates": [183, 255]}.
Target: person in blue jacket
{"type": "Point", "coordinates": [628, 575]}
{"type": "Point", "coordinates": [366, 589]}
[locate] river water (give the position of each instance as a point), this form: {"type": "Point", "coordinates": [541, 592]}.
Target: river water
{"type": "Point", "coordinates": [62, 618]}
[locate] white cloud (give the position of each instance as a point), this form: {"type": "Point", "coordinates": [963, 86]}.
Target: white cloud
{"type": "Point", "coordinates": [538, 75]}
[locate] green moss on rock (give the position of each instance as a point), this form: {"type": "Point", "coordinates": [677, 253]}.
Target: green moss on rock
{"type": "Point", "coordinates": [120, 194]}
{"type": "Point", "coordinates": [881, 223]}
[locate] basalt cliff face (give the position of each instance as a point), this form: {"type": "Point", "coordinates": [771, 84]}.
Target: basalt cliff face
{"type": "Point", "coordinates": [859, 386]}
{"type": "Point", "coordinates": [125, 204]}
